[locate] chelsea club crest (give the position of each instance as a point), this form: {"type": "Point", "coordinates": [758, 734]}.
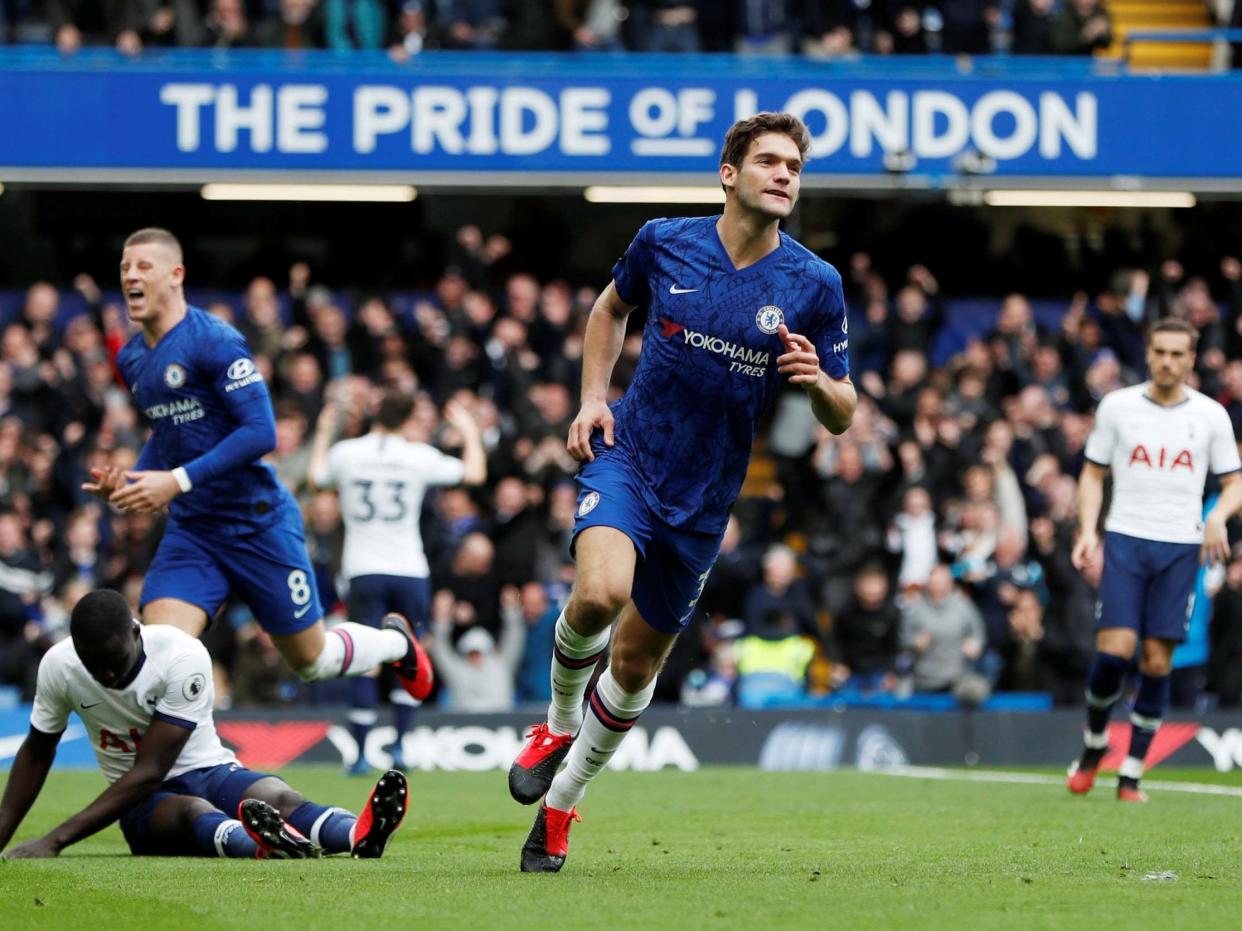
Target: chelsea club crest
{"type": "Point", "coordinates": [589, 500]}
{"type": "Point", "coordinates": [174, 376]}
{"type": "Point", "coordinates": [769, 318]}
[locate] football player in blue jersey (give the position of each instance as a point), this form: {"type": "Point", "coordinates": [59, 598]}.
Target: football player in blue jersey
{"type": "Point", "coordinates": [232, 526]}
{"type": "Point", "coordinates": [734, 306]}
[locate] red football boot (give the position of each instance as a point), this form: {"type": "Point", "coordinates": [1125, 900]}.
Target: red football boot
{"type": "Point", "coordinates": [548, 842]}
{"type": "Point", "coordinates": [384, 811]}
{"type": "Point", "coordinates": [1081, 776]}
{"type": "Point", "coordinates": [414, 669]}
{"type": "Point", "coordinates": [532, 771]}
{"type": "Point", "coordinates": [1128, 791]}
{"type": "Point", "coordinates": [1080, 779]}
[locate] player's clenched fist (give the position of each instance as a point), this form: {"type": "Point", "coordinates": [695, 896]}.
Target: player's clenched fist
{"type": "Point", "coordinates": [800, 362]}
{"type": "Point", "coordinates": [593, 414]}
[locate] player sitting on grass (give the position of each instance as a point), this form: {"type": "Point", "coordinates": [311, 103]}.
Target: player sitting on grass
{"type": "Point", "coordinates": [145, 695]}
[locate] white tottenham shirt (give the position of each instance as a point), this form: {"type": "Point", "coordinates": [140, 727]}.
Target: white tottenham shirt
{"type": "Point", "coordinates": [382, 479]}
{"type": "Point", "coordinates": [1160, 458]}
{"type": "Point", "coordinates": [173, 684]}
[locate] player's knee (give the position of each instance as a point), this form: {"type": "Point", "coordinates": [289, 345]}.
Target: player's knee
{"type": "Point", "coordinates": [288, 801]}
{"type": "Point", "coordinates": [1158, 668]}
{"type": "Point", "coordinates": [191, 811]}
{"type": "Point", "coordinates": [1157, 659]}
{"type": "Point", "coordinates": [598, 602]}
{"type": "Point", "coordinates": [1117, 641]}
{"type": "Point", "coordinates": [632, 669]}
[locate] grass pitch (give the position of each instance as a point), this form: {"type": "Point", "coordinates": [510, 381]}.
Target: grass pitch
{"type": "Point", "coordinates": [721, 848]}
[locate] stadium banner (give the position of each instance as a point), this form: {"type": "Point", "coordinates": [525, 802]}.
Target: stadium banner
{"type": "Point", "coordinates": [819, 739]}
{"type": "Point", "coordinates": [565, 120]}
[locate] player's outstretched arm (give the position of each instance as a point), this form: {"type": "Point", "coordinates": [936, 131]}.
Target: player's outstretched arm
{"type": "Point", "coordinates": [833, 400]}
{"type": "Point", "coordinates": [158, 751]}
{"type": "Point", "coordinates": [30, 768]}
{"type": "Point", "coordinates": [1216, 527]}
{"type": "Point", "coordinates": [325, 434]}
{"type": "Point", "coordinates": [605, 334]}
{"type": "Point", "coordinates": [473, 455]}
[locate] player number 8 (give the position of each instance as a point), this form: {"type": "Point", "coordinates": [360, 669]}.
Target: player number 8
{"type": "Point", "coordinates": [299, 588]}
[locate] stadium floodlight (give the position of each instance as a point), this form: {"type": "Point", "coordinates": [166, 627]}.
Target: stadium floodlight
{"type": "Point", "coordinates": [346, 193]}
{"type": "Point", "coordinates": [1050, 198]}
{"type": "Point", "coordinates": [604, 194]}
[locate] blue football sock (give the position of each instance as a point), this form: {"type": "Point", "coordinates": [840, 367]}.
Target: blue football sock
{"type": "Point", "coordinates": [1103, 689]}
{"type": "Point", "coordinates": [218, 835]}
{"type": "Point", "coordinates": [1149, 705]}
{"type": "Point", "coordinates": [323, 826]}
{"type": "Point", "coordinates": [403, 718]}
{"type": "Point", "coordinates": [363, 701]}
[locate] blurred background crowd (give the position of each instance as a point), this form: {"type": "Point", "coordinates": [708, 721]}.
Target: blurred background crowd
{"type": "Point", "coordinates": [815, 28]}
{"type": "Point", "coordinates": [924, 552]}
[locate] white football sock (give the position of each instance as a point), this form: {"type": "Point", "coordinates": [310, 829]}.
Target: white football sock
{"type": "Point", "coordinates": [351, 649]}
{"type": "Point", "coordinates": [613, 713]}
{"type": "Point", "coordinates": [1131, 768]}
{"type": "Point", "coordinates": [573, 661]}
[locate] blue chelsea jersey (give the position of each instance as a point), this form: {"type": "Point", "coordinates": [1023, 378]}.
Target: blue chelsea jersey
{"type": "Point", "coordinates": [193, 386]}
{"type": "Point", "coordinates": [708, 363]}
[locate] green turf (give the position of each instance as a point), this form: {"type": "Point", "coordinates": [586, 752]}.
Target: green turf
{"type": "Point", "coordinates": [713, 849]}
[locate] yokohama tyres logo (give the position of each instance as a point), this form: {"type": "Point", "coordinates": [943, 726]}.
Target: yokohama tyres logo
{"type": "Point", "coordinates": [744, 360]}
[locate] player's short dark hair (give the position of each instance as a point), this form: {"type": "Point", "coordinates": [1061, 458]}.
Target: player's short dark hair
{"type": "Point", "coordinates": [155, 234]}
{"type": "Point", "coordinates": [395, 409]}
{"type": "Point", "coordinates": [99, 616]}
{"type": "Point", "coordinates": [1174, 325]}
{"type": "Point", "coordinates": [742, 133]}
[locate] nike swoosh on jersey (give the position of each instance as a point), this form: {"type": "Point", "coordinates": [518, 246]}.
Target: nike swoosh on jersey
{"type": "Point", "coordinates": [300, 611]}
{"type": "Point", "coordinates": [85, 705]}
{"type": "Point", "coordinates": [673, 289]}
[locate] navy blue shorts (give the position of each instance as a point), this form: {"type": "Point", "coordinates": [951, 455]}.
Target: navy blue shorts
{"type": "Point", "coordinates": [1147, 586]}
{"type": "Point", "coordinates": [224, 786]}
{"type": "Point", "coordinates": [673, 564]}
{"type": "Point", "coordinates": [373, 596]}
{"type": "Point", "coordinates": [269, 570]}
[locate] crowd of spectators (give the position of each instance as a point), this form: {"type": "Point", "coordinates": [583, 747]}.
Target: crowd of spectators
{"type": "Point", "coordinates": [816, 28]}
{"type": "Point", "coordinates": [925, 550]}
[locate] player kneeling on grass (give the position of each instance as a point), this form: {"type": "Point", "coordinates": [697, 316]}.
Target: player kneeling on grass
{"type": "Point", "coordinates": [145, 695]}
